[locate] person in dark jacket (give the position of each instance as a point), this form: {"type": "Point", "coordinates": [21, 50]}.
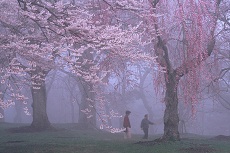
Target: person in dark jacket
{"type": "Point", "coordinates": [145, 126]}
{"type": "Point", "coordinates": [127, 125]}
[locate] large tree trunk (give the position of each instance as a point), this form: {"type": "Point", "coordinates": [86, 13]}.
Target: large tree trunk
{"type": "Point", "coordinates": [40, 118]}
{"type": "Point", "coordinates": [38, 89]}
{"type": "Point", "coordinates": [172, 77]}
{"type": "Point", "coordinates": [171, 117]}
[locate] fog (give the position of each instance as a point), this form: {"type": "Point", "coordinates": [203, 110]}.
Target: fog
{"type": "Point", "coordinates": [86, 63]}
{"type": "Point", "coordinates": [210, 117]}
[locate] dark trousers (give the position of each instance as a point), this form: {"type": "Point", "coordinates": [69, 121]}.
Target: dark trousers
{"type": "Point", "coordinates": [146, 132]}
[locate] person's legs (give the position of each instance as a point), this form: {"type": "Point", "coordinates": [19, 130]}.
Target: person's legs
{"type": "Point", "coordinates": [146, 133]}
{"type": "Point", "coordinates": [127, 134]}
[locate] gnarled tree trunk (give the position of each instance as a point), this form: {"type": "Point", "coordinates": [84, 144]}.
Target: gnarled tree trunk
{"type": "Point", "coordinates": [172, 76]}
{"type": "Point", "coordinates": [171, 117]}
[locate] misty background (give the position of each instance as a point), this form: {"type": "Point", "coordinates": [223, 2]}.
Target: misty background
{"type": "Point", "coordinates": [210, 118]}
{"type": "Point", "coordinates": [88, 66]}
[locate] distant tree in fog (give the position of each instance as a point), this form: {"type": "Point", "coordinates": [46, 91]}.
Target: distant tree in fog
{"type": "Point", "coordinates": [218, 86]}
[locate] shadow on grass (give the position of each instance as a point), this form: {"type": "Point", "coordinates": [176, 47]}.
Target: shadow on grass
{"type": "Point", "coordinates": [192, 148]}
{"type": "Point", "coordinates": [198, 149]}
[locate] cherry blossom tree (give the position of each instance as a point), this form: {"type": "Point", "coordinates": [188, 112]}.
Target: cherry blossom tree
{"type": "Point", "coordinates": [185, 39]}
{"type": "Point", "coordinates": [191, 19]}
{"type": "Point", "coordinates": [46, 35]}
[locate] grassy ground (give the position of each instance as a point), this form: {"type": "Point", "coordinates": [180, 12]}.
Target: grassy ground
{"type": "Point", "coordinates": [72, 140]}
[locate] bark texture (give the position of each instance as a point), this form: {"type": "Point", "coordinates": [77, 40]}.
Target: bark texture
{"type": "Point", "coordinates": [171, 117]}
{"type": "Point", "coordinates": [38, 89]}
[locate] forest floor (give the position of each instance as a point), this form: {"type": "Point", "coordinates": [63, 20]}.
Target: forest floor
{"type": "Point", "coordinates": [69, 138]}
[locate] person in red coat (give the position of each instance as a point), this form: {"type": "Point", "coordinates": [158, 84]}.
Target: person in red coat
{"type": "Point", "coordinates": [127, 125]}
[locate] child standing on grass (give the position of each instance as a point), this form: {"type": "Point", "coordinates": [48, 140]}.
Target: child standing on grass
{"type": "Point", "coordinates": [127, 125]}
{"type": "Point", "coordinates": [145, 126]}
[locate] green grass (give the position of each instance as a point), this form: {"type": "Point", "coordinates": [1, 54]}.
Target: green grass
{"type": "Point", "coordinates": [72, 140]}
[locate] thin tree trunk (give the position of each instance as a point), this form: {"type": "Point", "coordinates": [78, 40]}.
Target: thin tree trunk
{"type": "Point", "coordinates": [2, 119]}
{"type": "Point", "coordinates": [87, 119]}
{"type": "Point", "coordinates": [72, 111]}
{"type": "Point", "coordinates": [107, 112]}
{"type": "Point", "coordinates": [18, 115]}
{"type": "Point", "coordinates": [82, 116]}
{"type": "Point", "coordinates": [2, 115]}
{"type": "Point", "coordinates": [143, 96]}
